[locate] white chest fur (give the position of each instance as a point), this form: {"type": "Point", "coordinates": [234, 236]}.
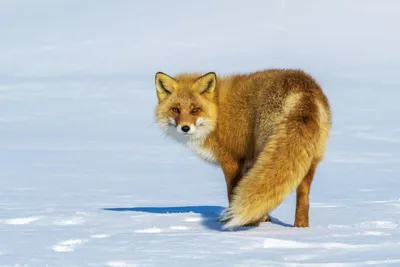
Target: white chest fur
{"type": "Point", "coordinates": [197, 146]}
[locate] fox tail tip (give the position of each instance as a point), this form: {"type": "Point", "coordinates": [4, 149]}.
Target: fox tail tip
{"type": "Point", "coordinates": [230, 221]}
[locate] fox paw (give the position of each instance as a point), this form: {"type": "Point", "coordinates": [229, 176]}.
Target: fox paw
{"type": "Point", "coordinates": [266, 218]}
{"type": "Point", "coordinates": [253, 224]}
{"type": "Point", "coordinates": [301, 224]}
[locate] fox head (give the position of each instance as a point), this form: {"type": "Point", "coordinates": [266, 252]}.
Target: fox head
{"type": "Point", "coordinates": [186, 104]}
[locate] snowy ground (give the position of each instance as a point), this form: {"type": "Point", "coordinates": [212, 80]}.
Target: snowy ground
{"type": "Point", "coordinates": [87, 179]}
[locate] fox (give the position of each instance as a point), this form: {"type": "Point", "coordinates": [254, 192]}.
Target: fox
{"type": "Point", "coordinates": [267, 130]}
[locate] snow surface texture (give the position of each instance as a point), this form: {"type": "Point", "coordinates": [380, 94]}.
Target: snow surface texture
{"type": "Point", "coordinates": [87, 179]}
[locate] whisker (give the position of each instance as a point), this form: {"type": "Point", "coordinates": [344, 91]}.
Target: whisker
{"type": "Point", "coordinates": [151, 124]}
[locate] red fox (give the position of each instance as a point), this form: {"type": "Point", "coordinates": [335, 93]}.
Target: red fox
{"type": "Point", "coordinates": [268, 131]}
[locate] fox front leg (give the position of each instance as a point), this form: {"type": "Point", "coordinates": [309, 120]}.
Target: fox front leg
{"type": "Point", "coordinates": [233, 172]}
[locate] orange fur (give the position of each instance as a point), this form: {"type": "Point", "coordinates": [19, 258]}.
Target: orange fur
{"type": "Point", "coordinates": [267, 130]}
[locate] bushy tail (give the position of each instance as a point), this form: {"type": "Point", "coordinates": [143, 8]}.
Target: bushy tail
{"type": "Point", "coordinates": [278, 170]}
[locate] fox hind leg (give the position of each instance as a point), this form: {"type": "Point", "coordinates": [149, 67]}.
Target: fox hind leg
{"type": "Point", "coordinates": [302, 197]}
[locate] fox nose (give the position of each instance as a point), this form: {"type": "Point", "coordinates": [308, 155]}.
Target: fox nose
{"type": "Point", "coordinates": [185, 128]}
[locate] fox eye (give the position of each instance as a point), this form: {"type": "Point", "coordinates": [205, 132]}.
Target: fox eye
{"type": "Point", "coordinates": [195, 111]}
{"type": "Point", "coordinates": [176, 110]}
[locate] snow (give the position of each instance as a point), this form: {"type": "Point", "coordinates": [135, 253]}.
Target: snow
{"type": "Point", "coordinates": [87, 178]}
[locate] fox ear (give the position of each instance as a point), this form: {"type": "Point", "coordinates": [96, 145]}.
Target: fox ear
{"type": "Point", "coordinates": [206, 83]}
{"type": "Point", "coordinates": [165, 85]}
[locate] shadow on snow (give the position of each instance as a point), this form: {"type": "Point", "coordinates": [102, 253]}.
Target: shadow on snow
{"type": "Point", "coordinates": [209, 214]}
